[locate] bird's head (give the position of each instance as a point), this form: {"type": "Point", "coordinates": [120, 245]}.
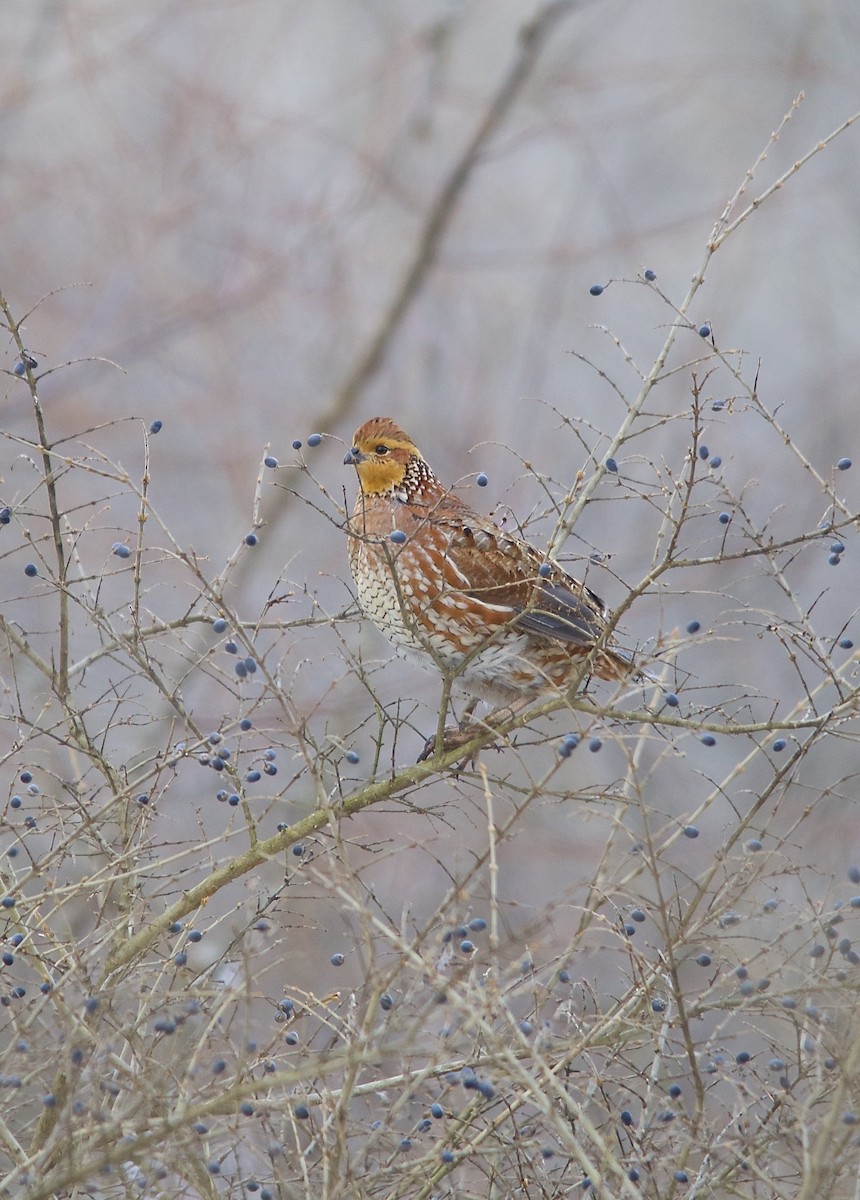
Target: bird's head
{"type": "Point", "coordinates": [384, 457]}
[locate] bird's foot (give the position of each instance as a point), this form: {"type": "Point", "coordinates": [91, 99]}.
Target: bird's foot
{"type": "Point", "coordinates": [453, 738]}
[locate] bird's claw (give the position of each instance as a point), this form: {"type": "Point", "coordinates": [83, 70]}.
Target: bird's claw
{"type": "Point", "coordinates": [453, 738]}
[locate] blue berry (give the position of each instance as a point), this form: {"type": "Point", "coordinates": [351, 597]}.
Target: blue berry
{"type": "Point", "coordinates": [241, 670]}
{"type": "Point", "coordinates": [253, 777]}
{"type": "Point", "coordinates": [626, 1117]}
{"type": "Point", "coordinates": [298, 850]}
{"type": "Point", "coordinates": [854, 874]}
{"type": "Point", "coordinates": [297, 445]}
{"type": "Point", "coordinates": [15, 802]}
{"type": "Point", "coordinates": [250, 539]}
{"type": "Point", "coordinates": [704, 331]}
{"type": "Point", "coordinates": [120, 550]}
{"type": "Point", "coordinates": [437, 1111]}
{"type": "Point", "coordinates": [724, 518]}
{"type": "Point", "coordinates": [693, 626]}
{"type": "Point", "coordinates": [26, 777]}
{"type": "Point", "coordinates": [270, 461]}
{"type": "Point", "coordinates": [19, 368]}
{"type": "Point", "coordinates": [337, 960]}
{"type": "Point", "coordinates": [398, 537]}
{"type": "Point", "coordinates": [837, 547]}
{"type": "Point", "coordinates": [544, 570]}
{"type": "Point", "coordinates": [637, 915]}
{"type": "Point", "coordinates": [31, 569]}
{"type": "Point", "coordinates": [564, 976]}
{"type": "Point", "coordinates": [594, 745]}
{"type": "Point", "coordinates": [778, 745]}
{"type": "Point", "coordinates": [352, 757]}
{"type": "Point", "coordinates": [250, 665]}
{"type": "Point", "coordinates": [386, 1001]}
{"type": "Point", "coordinates": [219, 625]}
{"type": "Point", "coordinates": [846, 644]}
{"type": "Point", "coordinates": [742, 1057]}
{"type": "Point", "coordinates": [611, 466]}
{"type": "Point", "coordinates": [691, 831]}
{"type": "Point", "coordinates": [231, 647]}
{"type": "Point", "coordinates": [5, 515]}
{"type": "Point", "coordinates": [843, 464]}
{"type": "Point", "coordinates": [155, 427]}
{"type": "Point", "coordinates": [704, 960]}
{"type": "Point", "coordinates": [482, 480]}
{"type": "Point", "coordinates": [704, 452]}
{"type": "Point", "coordinates": [233, 800]}
{"type": "Point", "coordinates": [834, 560]}
{"type": "Point", "coordinates": [754, 845]}
{"type": "Point", "coordinates": [569, 743]}
{"type": "Point", "coordinates": [270, 755]}
{"type": "Point", "coordinates": [650, 275]}
{"type": "Point", "coordinates": [708, 739]}
{"type": "Point", "coordinates": [716, 461]}
{"type": "Point", "coordinates": [314, 439]}
{"type": "Point", "coordinates": [596, 289]}
{"type": "Point", "coordinates": [477, 924]}
{"type": "Point", "coordinates": [466, 946]}
{"type": "Point", "coordinates": [672, 700]}
{"type": "Point", "coordinates": [194, 935]}
{"type": "Point", "coordinates": [245, 724]}
{"type": "Point", "coordinates": [658, 1005]}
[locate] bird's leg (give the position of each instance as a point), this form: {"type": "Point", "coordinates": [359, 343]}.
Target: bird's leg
{"type": "Point", "coordinates": [451, 737]}
{"type": "Point", "coordinates": [448, 737]}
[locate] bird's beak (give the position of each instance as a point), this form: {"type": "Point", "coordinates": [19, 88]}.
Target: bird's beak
{"type": "Point", "coordinates": [353, 457]}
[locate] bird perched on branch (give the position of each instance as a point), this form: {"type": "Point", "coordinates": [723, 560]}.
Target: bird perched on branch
{"type": "Point", "coordinates": [448, 587]}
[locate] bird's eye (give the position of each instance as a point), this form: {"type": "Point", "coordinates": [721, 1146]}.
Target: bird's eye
{"type": "Point", "coordinates": [381, 449]}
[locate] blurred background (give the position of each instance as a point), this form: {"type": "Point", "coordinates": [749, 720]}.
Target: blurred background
{"type": "Point", "coordinates": [267, 214]}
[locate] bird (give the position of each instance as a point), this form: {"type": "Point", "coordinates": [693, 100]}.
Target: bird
{"type": "Point", "coordinates": [452, 590]}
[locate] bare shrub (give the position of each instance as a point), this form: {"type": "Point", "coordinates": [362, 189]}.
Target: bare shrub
{"type": "Point", "coordinates": [246, 946]}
